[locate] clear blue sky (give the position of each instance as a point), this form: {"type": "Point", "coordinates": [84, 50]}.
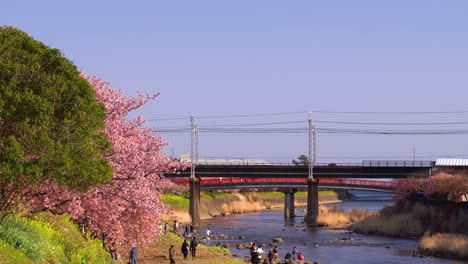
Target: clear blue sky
{"type": "Point", "coordinates": [224, 58]}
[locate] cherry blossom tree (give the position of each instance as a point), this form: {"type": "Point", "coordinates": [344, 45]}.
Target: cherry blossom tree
{"type": "Point", "coordinates": [129, 208]}
{"type": "Point", "coordinates": [439, 186]}
{"type": "Point", "coordinates": [452, 186]}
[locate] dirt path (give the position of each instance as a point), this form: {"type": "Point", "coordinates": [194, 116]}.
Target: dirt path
{"type": "Point", "coordinates": [158, 252]}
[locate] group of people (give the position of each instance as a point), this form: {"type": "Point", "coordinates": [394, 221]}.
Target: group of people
{"type": "Point", "coordinates": [273, 255]}
{"type": "Point", "coordinates": [186, 248]}
{"type": "Point", "coordinates": [188, 230]}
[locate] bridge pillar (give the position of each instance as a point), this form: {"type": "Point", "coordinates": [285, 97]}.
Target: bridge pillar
{"type": "Point", "coordinates": [312, 202]}
{"type": "Point", "coordinates": [289, 203]}
{"type": "Point", "coordinates": [195, 201]}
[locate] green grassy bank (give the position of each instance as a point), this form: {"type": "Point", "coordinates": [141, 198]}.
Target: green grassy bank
{"type": "Point", "coordinates": [48, 238]}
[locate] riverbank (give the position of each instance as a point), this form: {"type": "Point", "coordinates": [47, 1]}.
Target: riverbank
{"type": "Point", "coordinates": [441, 229]}
{"type": "Point", "coordinates": [338, 217]}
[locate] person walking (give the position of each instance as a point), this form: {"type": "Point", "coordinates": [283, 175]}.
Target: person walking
{"type": "Point", "coordinates": [171, 255]}
{"type": "Point", "coordinates": [270, 256]}
{"type": "Point", "coordinates": [165, 228]}
{"type": "Point", "coordinates": [133, 255]}
{"type": "Point", "coordinates": [193, 246]}
{"type": "Point", "coordinates": [185, 249]}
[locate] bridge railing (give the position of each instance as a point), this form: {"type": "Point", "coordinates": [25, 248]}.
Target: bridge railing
{"type": "Point", "coordinates": [365, 163]}
{"type": "Point", "coordinates": [397, 163]}
{"type": "Point", "coordinates": [278, 164]}
{"type": "Point", "coordinates": [333, 181]}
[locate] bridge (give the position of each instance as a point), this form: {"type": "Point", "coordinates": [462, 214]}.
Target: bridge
{"type": "Point", "coordinates": [224, 183]}
{"type": "Point", "coordinates": [366, 169]}
{"type": "Point", "coordinates": [290, 177]}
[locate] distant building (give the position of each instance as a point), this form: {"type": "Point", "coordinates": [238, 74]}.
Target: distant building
{"type": "Point", "coordinates": [452, 162]}
{"type": "Point", "coordinates": [452, 165]}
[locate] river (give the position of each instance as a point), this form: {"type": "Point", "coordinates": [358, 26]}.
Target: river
{"type": "Point", "coordinates": [321, 245]}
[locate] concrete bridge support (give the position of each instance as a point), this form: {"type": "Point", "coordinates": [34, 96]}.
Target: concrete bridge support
{"type": "Point", "coordinates": [194, 209]}
{"type": "Point", "coordinates": [289, 203]}
{"type": "Point", "coordinates": [312, 202]}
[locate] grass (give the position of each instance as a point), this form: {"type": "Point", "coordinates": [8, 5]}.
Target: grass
{"type": "Point", "coordinates": [11, 255]}
{"type": "Point", "coordinates": [48, 238]}
{"type": "Point", "coordinates": [403, 225]}
{"type": "Point", "coordinates": [217, 195]}
{"type": "Point", "coordinates": [178, 203]}
{"type": "Point", "coordinates": [334, 216]}
{"type": "Point", "coordinates": [406, 219]}
{"type": "Point", "coordinates": [414, 220]}
{"type": "Point", "coordinates": [451, 245]}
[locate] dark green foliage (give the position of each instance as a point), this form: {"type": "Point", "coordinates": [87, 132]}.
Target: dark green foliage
{"type": "Point", "coordinates": [51, 126]}
{"type": "Point", "coordinates": [302, 160]}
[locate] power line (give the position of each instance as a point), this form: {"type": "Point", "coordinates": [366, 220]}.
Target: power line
{"type": "Point", "coordinates": [392, 113]}
{"type": "Point", "coordinates": [391, 124]}
{"type": "Point", "coordinates": [329, 122]}
{"type": "Point", "coordinates": [318, 112]}
{"type": "Point", "coordinates": [168, 119]}
{"type": "Point", "coordinates": [251, 115]}
{"type": "Point", "coordinates": [284, 130]}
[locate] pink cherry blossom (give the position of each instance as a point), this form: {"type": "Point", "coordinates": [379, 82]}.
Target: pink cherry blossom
{"type": "Point", "coordinates": [129, 208]}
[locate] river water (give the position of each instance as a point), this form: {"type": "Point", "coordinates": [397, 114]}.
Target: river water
{"type": "Point", "coordinates": [322, 245]}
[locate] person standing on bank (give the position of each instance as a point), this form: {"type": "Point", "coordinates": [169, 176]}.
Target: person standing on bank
{"type": "Point", "coordinates": [193, 246]}
{"type": "Point", "coordinates": [176, 226]}
{"type": "Point", "coordinates": [294, 253]}
{"type": "Point", "coordinates": [171, 255]}
{"type": "Point", "coordinates": [185, 249]}
{"type": "Point", "coordinates": [133, 255]}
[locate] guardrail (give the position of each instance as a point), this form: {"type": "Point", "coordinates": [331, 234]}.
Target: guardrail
{"type": "Point", "coordinates": [397, 163]}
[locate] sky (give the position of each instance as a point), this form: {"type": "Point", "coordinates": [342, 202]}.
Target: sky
{"type": "Point", "coordinates": [382, 80]}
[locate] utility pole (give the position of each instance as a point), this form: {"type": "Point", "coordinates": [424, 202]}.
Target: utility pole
{"type": "Point", "coordinates": [194, 147]}
{"type": "Point", "coordinates": [194, 208]}
{"type": "Point", "coordinates": [311, 148]}
{"type": "Point", "coordinates": [312, 183]}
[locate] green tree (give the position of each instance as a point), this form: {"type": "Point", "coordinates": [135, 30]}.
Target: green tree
{"type": "Point", "coordinates": [51, 125]}
{"type": "Point", "coordinates": [302, 160]}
